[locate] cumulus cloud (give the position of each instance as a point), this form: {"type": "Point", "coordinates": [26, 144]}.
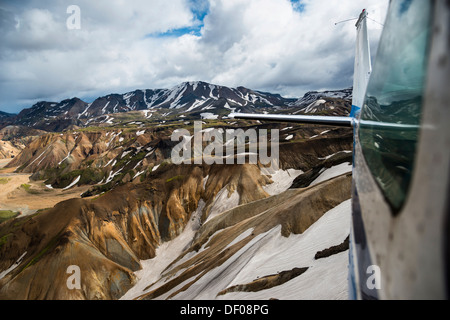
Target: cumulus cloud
{"type": "Point", "coordinates": [282, 46]}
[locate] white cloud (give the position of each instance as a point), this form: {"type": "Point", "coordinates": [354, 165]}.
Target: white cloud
{"type": "Point", "coordinates": [276, 45]}
{"type": "Point", "coordinates": [260, 44]}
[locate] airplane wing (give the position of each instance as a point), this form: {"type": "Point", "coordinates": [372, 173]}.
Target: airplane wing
{"type": "Point", "coordinates": [323, 120]}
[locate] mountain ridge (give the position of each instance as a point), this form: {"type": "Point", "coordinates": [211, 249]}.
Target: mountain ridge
{"type": "Point", "coordinates": [187, 97]}
{"type": "Point", "coordinates": [194, 100]}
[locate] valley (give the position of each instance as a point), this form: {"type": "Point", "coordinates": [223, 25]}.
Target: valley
{"type": "Point", "coordinates": [22, 195]}
{"type": "Point", "coordinates": [102, 193]}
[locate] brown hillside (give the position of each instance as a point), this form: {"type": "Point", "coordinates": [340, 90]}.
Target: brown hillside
{"type": "Point", "coordinates": [108, 236]}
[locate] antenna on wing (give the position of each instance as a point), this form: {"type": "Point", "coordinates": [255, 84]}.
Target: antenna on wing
{"type": "Point", "coordinates": [367, 17]}
{"type": "Point", "coordinates": [345, 21]}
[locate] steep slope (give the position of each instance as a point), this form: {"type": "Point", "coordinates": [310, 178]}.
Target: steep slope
{"type": "Point", "coordinates": [96, 156]}
{"type": "Point", "coordinates": [227, 250]}
{"type": "Point", "coordinates": [108, 236]}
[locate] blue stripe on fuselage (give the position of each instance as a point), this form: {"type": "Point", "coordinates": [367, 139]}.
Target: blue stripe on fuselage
{"type": "Point", "coordinates": [355, 111]}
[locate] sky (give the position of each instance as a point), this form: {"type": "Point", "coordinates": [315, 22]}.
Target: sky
{"type": "Point", "coordinates": [49, 52]}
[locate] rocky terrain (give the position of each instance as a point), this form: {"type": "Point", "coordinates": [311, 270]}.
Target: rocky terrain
{"type": "Point", "coordinates": [140, 227]}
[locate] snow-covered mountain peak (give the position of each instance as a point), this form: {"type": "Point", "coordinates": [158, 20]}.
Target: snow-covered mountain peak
{"type": "Point", "coordinates": [187, 99]}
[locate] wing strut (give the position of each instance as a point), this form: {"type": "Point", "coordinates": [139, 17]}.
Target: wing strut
{"type": "Point", "coordinates": [332, 121]}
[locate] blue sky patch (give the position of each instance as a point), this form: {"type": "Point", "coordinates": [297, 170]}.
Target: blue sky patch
{"type": "Point", "coordinates": [199, 9]}
{"type": "Point", "coordinates": [298, 5]}
{"type": "Point", "coordinates": [176, 32]}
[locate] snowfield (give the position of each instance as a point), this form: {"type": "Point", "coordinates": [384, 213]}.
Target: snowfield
{"type": "Point", "coordinates": [282, 180]}
{"type": "Point", "coordinates": [165, 254]}
{"type": "Point", "coordinates": [267, 254]}
{"type": "Point", "coordinates": [222, 202]}
{"type": "Point", "coordinates": [324, 280]}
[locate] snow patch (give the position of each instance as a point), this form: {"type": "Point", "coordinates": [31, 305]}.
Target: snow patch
{"type": "Point", "coordinates": [325, 279]}
{"type": "Point", "coordinates": [223, 202]}
{"type": "Point", "coordinates": [125, 154]}
{"type": "Point", "coordinates": [282, 180]}
{"type": "Point", "coordinates": [205, 180]}
{"type": "Point", "coordinates": [112, 175]}
{"type": "Point", "coordinates": [85, 110]}
{"type": "Point", "coordinates": [331, 155]}
{"type": "Point", "coordinates": [40, 155]}
{"type": "Point", "coordinates": [333, 172]}
{"type": "Point", "coordinates": [312, 106]}
{"type": "Point", "coordinates": [68, 155]}
{"type": "Point", "coordinates": [270, 253]}
{"type": "Point", "coordinates": [15, 265]}
{"type": "Point", "coordinates": [138, 174]}
{"type": "Point", "coordinates": [209, 116]}
{"type": "Point", "coordinates": [74, 182]}
{"type": "Point", "coordinates": [106, 106]}
{"type": "Point", "coordinates": [147, 113]}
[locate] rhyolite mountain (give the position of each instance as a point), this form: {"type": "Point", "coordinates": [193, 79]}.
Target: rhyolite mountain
{"type": "Point", "coordinates": [155, 230]}
{"type": "Point", "coordinates": [190, 100]}
{"type": "Point", "coordinates": [149, 229]}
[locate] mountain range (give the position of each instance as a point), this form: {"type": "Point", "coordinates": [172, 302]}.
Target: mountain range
{"type": "Point", "coordinates": [191, 100]}
{"type": "Point", "coordinates": [92, 185]}
{"type": "Point", "coordinates": [145, 228]}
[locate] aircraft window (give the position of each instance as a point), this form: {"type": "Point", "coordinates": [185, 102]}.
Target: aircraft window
{"type": "Point", "coordinates": [390, 117]}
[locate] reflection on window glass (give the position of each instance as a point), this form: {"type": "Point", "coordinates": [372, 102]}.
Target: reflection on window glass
{"type": "Point", "coordinates": [390, 117]}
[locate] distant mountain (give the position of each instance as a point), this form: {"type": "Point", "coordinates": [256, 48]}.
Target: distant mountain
{"type": "Point", "coordinates": [189, 100]}
{"type": "Point", "coordinates": [313, 96]}
{"type": "Point", "coordinates": [195, 98]}
{"type": "Point", "coordinates": [4, 115]}
{"type": "Point", "coordinates": [6, 118]}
